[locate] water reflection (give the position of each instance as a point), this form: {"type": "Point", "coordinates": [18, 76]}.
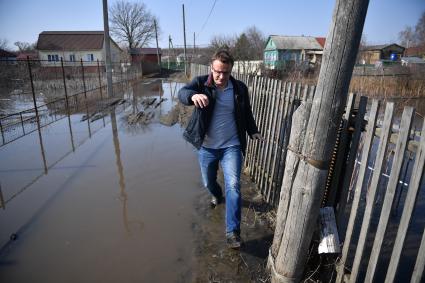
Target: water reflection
{"type": "Point", "coordinates": [120, 170]}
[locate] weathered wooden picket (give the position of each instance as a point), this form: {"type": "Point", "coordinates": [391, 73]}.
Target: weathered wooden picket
{"type": "Point", "coordinates": [390, 157]}
{"type": "Point", "coordinates": [354, 186]}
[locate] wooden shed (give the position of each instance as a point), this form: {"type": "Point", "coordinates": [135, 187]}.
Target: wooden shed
{"type": "Point", "coordinates": [374, 53]}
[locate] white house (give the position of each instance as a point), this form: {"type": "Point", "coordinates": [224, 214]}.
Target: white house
{"type": "Point", "coordinates": [72, 46]}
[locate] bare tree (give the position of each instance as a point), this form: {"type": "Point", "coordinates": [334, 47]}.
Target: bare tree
{"type": "Point", "coordinates": [222, 41]}
{"type": "Point", "coordinates": [25, 46]}
{"type": "Point", "coordinates": [407, 37]}
{"type": "Point", "coordinates": [420, 30]}
{"type": "Point", "coordinates": [413, 36]}
{"type": "Point", "coordinates": [257, 41]}
{"type": "Point", "coordinates": [4, 44]}
{"type": "Point", "coordinates": [132, 23]}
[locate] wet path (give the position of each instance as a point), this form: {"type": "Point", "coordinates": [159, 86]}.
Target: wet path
{"type": "Point", "coordinates": [111, 202]}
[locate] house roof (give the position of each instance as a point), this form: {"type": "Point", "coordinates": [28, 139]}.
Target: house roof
{"type": "Point", "coordinates": [379, 47]}
{"type": "Point", "coordinates": [6, 54]}
{"type": "Point", "coordinates": [24, 55]}
{"type": "Point", "coordinates": [295, 42]}
{"type": "Point", "coordinates": [70, 40]}
{"type": "Point", "coordinates": [144, 51]}
{"type": "Point", "coordinates": [322, 41]}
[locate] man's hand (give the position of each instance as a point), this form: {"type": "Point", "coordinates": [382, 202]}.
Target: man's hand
{"type": "Point", "coordinates": [257, 136]}
{"type": "Point", "coordinates": [200, 100]}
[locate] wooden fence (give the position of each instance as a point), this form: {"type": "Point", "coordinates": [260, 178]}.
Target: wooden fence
{"type": "Point", "coordinates": [368, 164]}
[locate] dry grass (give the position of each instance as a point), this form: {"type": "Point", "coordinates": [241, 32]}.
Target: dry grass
{"type": "Point", "coordinates": [388, 86]}
{"type": "Point", "coordinates": [383, 87]}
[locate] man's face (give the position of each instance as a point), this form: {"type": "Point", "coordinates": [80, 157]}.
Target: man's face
{"type": "Point", "coordinates": [221, 73]}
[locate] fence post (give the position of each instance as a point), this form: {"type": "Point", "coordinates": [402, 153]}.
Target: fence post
{"type": "Point", "coordinates": [22, 123]}
{"type": "Point", "coordinates": [85, 96]}
{"type": "Point", "coordinates": [309, 176]}
{"type": "Point", "coordinates": [64, 88]}
{"type": "Point", "coordinates": [33, 93]}
{"type": "Point", "coordinates": [100, 81]}
{"type": "Point", "coordinates": [2, 134]}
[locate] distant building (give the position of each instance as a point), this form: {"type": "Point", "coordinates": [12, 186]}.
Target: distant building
{"type": "Point", "coordinates": [145, 54]}
{"type": "Point", "coordinates": [147, 58]}
{"type": "Point", "coordinates": [372, 55]}
{"type": "Point", "coordinates": [72, 46]}
{"type": "Point", "coordinates": [32, 55]}
{"type": "Point", "coordinates": [7, 56]}
{"type": "Point", "coordinates": [283, 52]}
{"type": "Point", "coordinates": [416, 51]}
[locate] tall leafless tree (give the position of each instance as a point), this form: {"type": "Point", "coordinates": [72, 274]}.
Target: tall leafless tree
{"type": "Point", "coordinates": [223, 41]}
{"type": "Point", "coordinates": [132, 23]}
{"type": "Point", "coordinates": [407, 37]}
{"type": "Point", "coordinates": [413, 36]}
{"type": "Point", "coordinates": [257, 42]}
{"type": "Point", "coordinates": [25, 46]}
{"type": "Point", "coordinates": [420, 30]}
{"type": "Point", "coordinates": [4, 44]}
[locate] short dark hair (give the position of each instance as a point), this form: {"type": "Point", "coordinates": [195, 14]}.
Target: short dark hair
{"type": "Point", "coordinates": [223, 56]}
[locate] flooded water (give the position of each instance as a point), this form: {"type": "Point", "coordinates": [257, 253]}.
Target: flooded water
{"type": "Point", "coordinates": [107, 201]}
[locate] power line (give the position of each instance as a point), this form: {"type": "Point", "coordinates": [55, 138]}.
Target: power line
{"type": "Point", "coordinates": [206, 21]}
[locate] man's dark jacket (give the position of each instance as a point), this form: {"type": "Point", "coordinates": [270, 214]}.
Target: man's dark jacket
{"type": "Point", "coordinates": [201, 117]}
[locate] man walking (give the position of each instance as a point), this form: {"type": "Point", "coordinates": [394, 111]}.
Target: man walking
{"type": "Point", "coordinates": [218, 128]}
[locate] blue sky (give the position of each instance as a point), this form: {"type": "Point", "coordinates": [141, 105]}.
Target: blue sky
{"type": "Point", "coordinates": [23, 20]}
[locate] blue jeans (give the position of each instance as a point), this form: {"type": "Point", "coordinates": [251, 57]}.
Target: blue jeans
{"type": "Point", "coordinates": [230, 159]}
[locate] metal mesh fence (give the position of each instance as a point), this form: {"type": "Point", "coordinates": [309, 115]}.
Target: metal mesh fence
{"type": "Point", "coordinates": [47, 91]}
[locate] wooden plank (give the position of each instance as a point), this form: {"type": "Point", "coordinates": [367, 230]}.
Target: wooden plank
{"type": "Point", "coordinates": [349, 168]}
{"type": "Point", "coordinates": [270, 138]}
{"type": "Point", "coordinates": [252, 102]}
{"type": "Point", "coordinates": [257, 119]}
{"type": "Point", "coordinates": [266, 143]}
{"type": "Point", "coordinates": [256, 103]}
{"type": "Point", "coordinates": [258, 143]}
{"type": "Point", "coordinates": [362, 172]}
{"type": "Point", "coordinates": [289, 111]}
{"type": "Point", "coordinates": [373, 188]}
{"type": "Point", "coordinates": [406, 122]}
{"type": "Point", "coordinates": [415, 181]}
{"type": "Point", "coordinates": [418, 270]}
{"type": "Point", "coordinates": [274, 141]}
{"type": "Point", "coordinates": [329, 240]}
{"type": "Point", "coordinates": [281, 93]}
{"type": "Point", "coordinates": [266, 135]}
{"type": "Point", "coordinates": [282, 147]}
{"type": "Point", "coordinates": [263, 131]}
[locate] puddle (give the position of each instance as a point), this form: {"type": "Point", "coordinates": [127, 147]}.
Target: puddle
{"type": "Point", "coordinates": [106, 201]}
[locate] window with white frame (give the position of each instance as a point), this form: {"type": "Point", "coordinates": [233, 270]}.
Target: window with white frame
{"type": "Point", "coordinates": [72, 57]}
{"type": "Point", "coordinates": [52, 57]}
{"type": "Point", "coordinates": [90, 57]}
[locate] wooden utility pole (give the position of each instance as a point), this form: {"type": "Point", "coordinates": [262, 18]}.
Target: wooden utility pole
{"type": "Point", "coordinates": [184, 36]}
{"type": "Point", "coordinates": [157, 47]}
{"type": "Point", "coordinates": [307, 162]}
{"type": "Point", "coordinates": [194, 46]}
{"type": "Point", "coordinates": [169, 47]}
{"type": "Point", "coordinates": [107, 50]}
